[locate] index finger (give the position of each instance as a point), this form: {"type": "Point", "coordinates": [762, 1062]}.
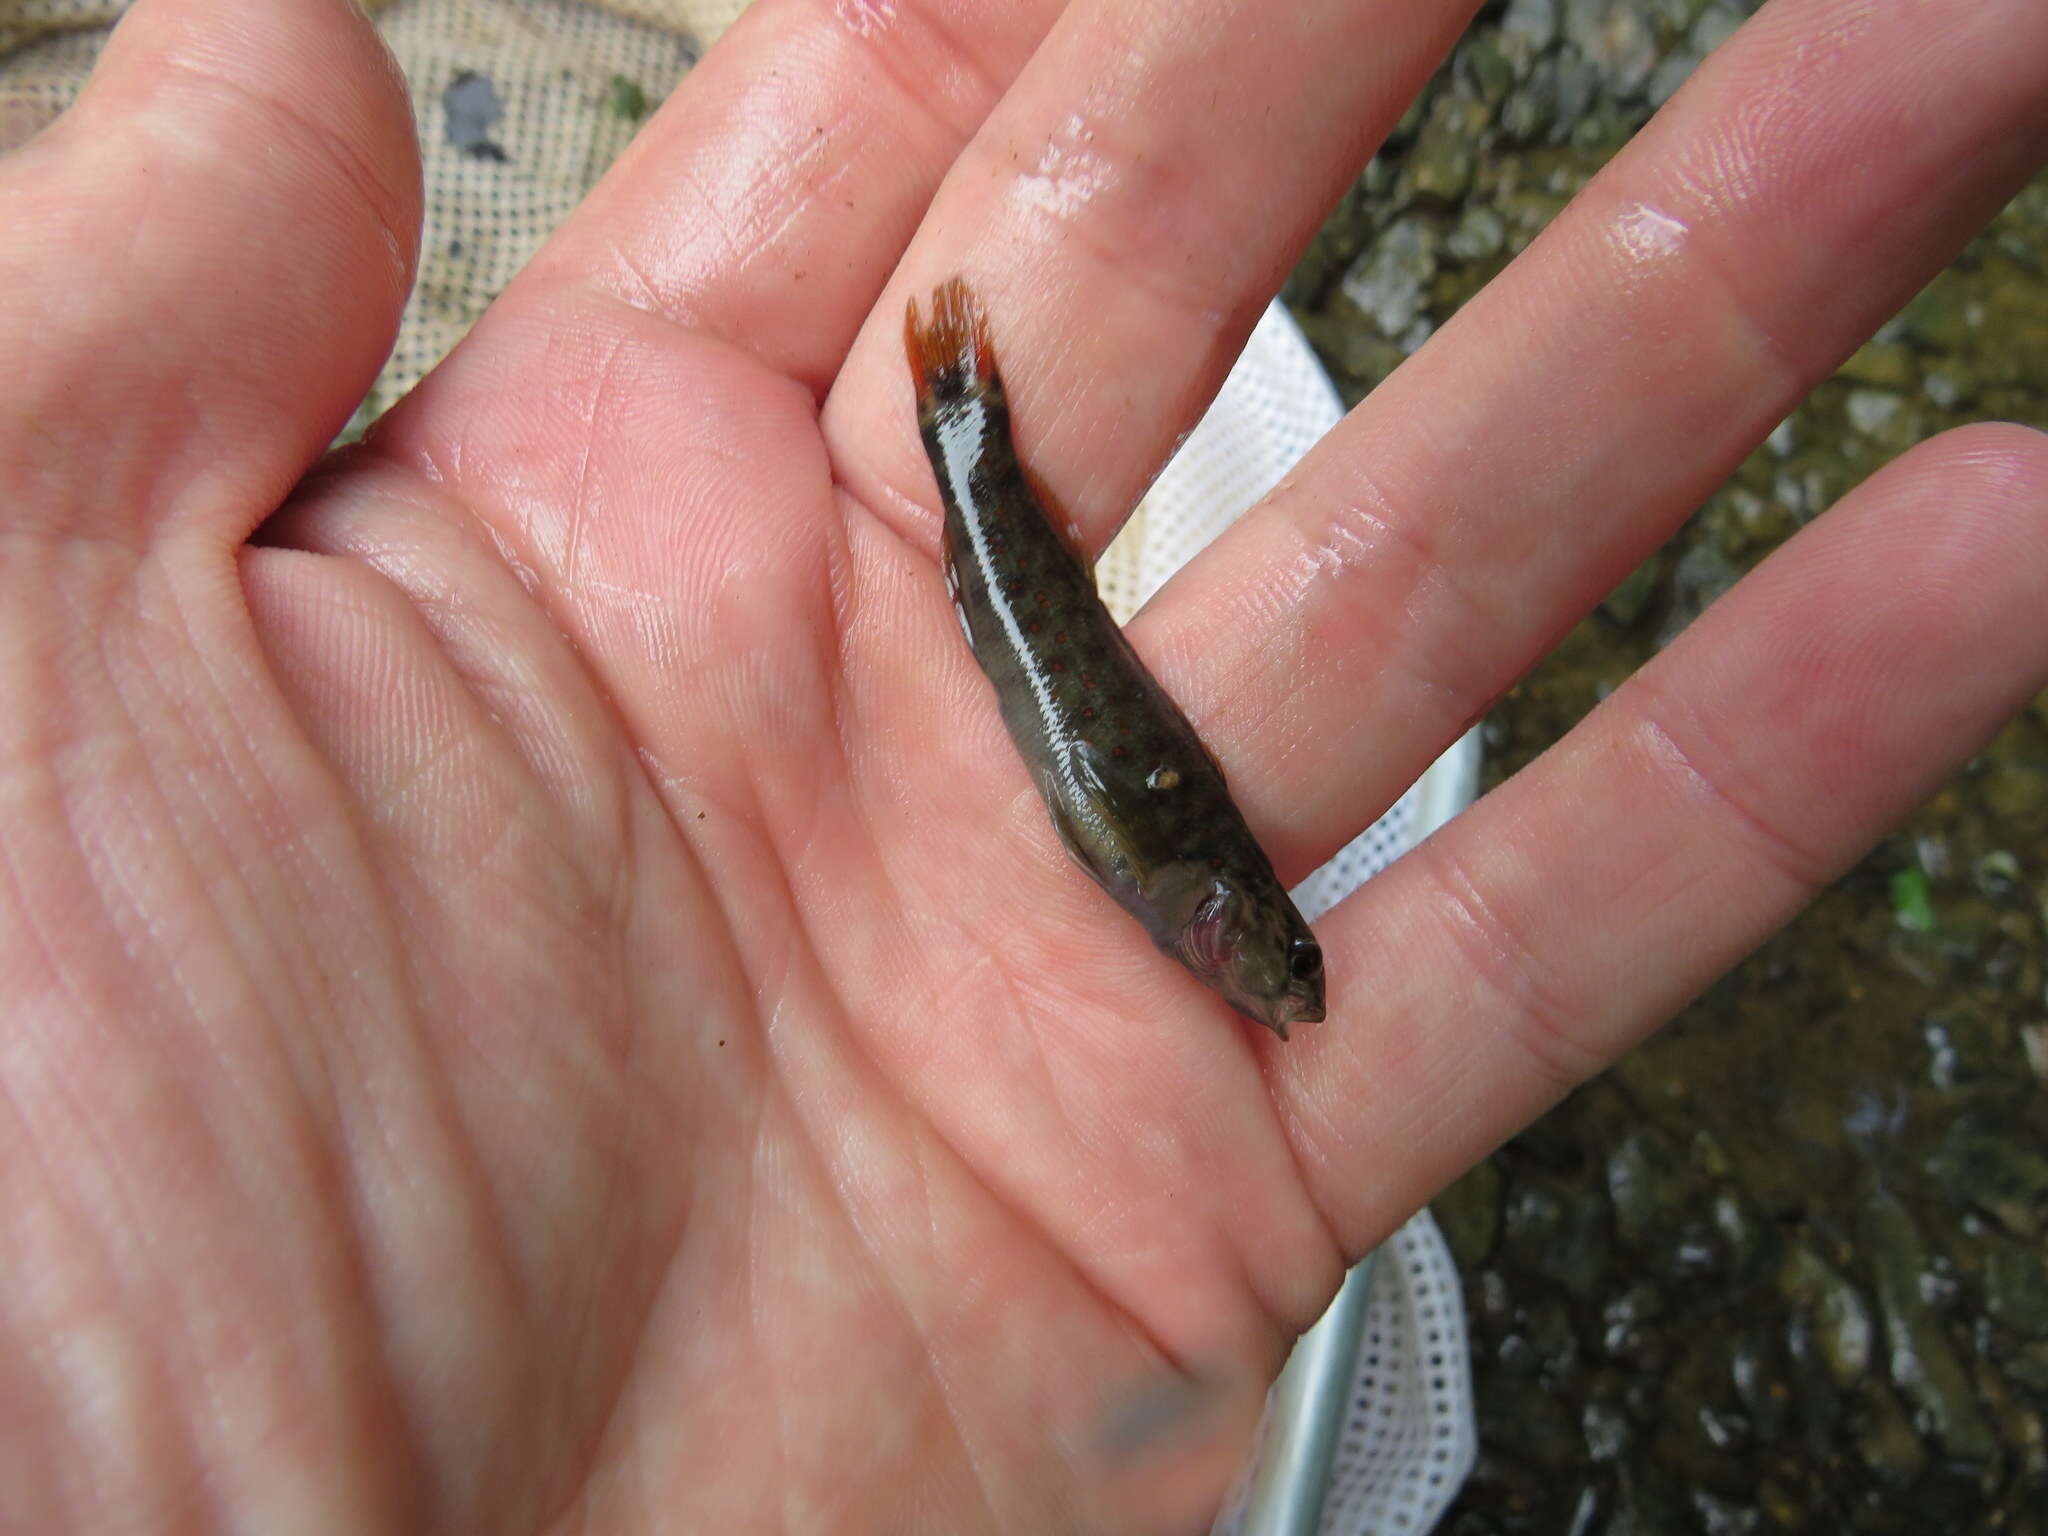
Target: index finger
{"type": "Point", "coordinates": [1127, 211]}
{"type": "Point", "coordinates": [767, 201]}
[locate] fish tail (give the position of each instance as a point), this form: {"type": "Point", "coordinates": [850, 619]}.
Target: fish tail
{"type": "Point", "coordinates": [950, 358]}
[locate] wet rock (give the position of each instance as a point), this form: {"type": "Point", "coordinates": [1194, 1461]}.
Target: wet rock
{"type": "Point", "coordinates": [1530, 1422]}
{"type": "Point", "coordinates": [1574, 83]}
{"type": "Point", "coordinates": [1528, 211]}
{"type": "Point", "coordinates": [2028, 1365]}
{"type": "Point", "coordinates": [1651, 1184]}
{"type": "Point", "coordinates": [2016, 787]}
{"type": "Point", "coordinates": [1479, 235]}
{"type": "Point", "coordinates": [1489, 67]}
{"type": "Point", "coordinates": [1731, 520]}
{"type": "Point", "coordinates": [1559, 1233]}
{"type": "Point", "coordinates": [1493, 1304]}
{"type": "Point", "coordinates": [1923, 1364]}
{"type": "Point", "coordinates": [1607, 1431]}
{"type": "Point", "coordinates": [1887, 419]}
{"type": "Point", "coordinates": [1823, 480]}
{"type": "Point", "coordinates": [1725, 1431]}
{"type": "Point", "coordinates": [1782, 1508]}
{"type": "Point", "coordinates": [1549, 1330]}
{"type": "Point", "coordinates": [1840, 1323]}
{"type": "Point", "coordinates": [1744, 1238]}
{"type": "Point", "coordinates": [1648, 1505]}
{"type": "Point", "coordinates": [2016, 1288]}
{"type": "Point", "coordinates": [1526, 116]}
{"type": "Point", "coordinates": [1884, 1437]}
{"type": "Point", "coordinates": [1949, 386]}
{"type": "Point", "coordinates": [1815, 1390]}
{"type": "Point", "coordinates": [1884, 364]}
{"type": "Point", "coordinates": [1703, 574]}
{"type": "Point", "coordinates": [1631, 599]}
{"type": "Point", "coordinates": [1965, 1045]}
{"type": "Point", "coordinates": [1603, 126]}
{"type": "Point", "coordinates": [1446, 151]}
{"type": "Point", "coordinates": [1532, 21]}
{"type": "Point", "coordinates": [1945, 315]}
{"type": "Point", "coordinates": [1672, 72]}
{"type": "Point", "coordinates": [1626, 1332]}
{"type": "Point", "coordinates": [1469, 1215]}
{"type": "Point", "coordinates": [1516, 1356]}
{"type": "Point", "coordinates": [1388, 282]}
{"type": "Point", "coordinates": [1710, 1155]}
{"type": "Point", "coordinates": [1761, 1385]}
{"type": "Point", "coordinates": [1615, 37]}
{"type": "Point", "coordinates": [2034, 1042]}
{"type": "Point", "coordinates": [1980, 1165]}
{"type": "Point", "coordinates": [1506, 1485]}
{"type": "Point", "coordinates": [1940, 1287]}
{"type": "Point", "coordinates": [1716, 24]}
{"type": "Point", "coordinates": [1997, 874]}
{"type": "Point", "coordinates": [1585, 1513]}
{"type": "Point", "coordinates": [1723, 1517]}
{"type": "Point", "coordinates": [1356, 350]}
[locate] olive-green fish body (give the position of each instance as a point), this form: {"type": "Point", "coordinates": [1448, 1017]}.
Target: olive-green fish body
{"type": "Point", "coordinates": [1135, 796]}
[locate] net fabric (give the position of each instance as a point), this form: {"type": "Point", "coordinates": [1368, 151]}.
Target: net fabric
{"type": "Point", "coordinates": [1409, 1440]}
{"type": "Point", "coordinates": [555, 69]}
{"type": "Point", "coordinates": [563, 80]}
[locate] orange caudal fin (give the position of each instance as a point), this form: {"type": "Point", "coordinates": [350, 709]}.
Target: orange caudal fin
{"type": "Point", "coordinates": [950, 357]}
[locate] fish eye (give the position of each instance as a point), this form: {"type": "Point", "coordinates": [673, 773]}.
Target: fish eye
{"type": "Point", "coordinates": [1304, 959]}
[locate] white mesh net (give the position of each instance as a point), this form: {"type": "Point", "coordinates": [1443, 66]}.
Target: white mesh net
{"type": "Point", "coordinates": [566, 85]}
{"type": "Point", "coordinates": [1409, 1440]}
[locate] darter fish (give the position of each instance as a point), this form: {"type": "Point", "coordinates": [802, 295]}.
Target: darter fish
{"type": "Point", "coordinates": [1134, 794]}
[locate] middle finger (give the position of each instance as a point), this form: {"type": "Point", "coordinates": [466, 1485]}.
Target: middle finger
{"type": "Point", "coordinates": [1126, 212]}
{"type": "Point", "coordinates": [1816, 170]}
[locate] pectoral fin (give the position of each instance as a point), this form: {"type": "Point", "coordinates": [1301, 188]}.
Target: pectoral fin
{"type": "Point", "coordinates": [1084, 814]}
{"type": "Point", "coordinates": [1176, 892]}
{"type": "Point", "coordinates": [1091, 815]}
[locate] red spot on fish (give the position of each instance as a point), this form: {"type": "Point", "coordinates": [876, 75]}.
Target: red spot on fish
{"type": "Point", "coordinates": [1117, 750]}
{"type": "Point", "coordinates": [1087, 714]}
{"type": "Point", "coordinates": [1060, 638]}
{"type": "Point", "coordinates": [1058, 666]}
{"type": "Point", "coordinates": [1216, 862]}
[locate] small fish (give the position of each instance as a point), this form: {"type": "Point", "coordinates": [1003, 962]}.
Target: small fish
{"type": "Point", "coordinates": [1133, 793]}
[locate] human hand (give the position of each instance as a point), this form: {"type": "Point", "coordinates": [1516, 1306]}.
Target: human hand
{"type": "Point", "coordinates": [539, 991]}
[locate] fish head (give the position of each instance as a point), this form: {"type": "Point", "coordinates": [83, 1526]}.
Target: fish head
{"type": "Point", "coordinates": [1257, 952]}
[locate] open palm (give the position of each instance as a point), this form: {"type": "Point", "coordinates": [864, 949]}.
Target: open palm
{"type": "Point", "coordinates": [538, 993]}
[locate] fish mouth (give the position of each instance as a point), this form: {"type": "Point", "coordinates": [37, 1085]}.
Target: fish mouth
{"type": "Point", "coordinates": [1292, 1009]}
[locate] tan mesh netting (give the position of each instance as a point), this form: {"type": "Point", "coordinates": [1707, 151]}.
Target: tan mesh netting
{"type": "Point", "coordinates": [521, 106]}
